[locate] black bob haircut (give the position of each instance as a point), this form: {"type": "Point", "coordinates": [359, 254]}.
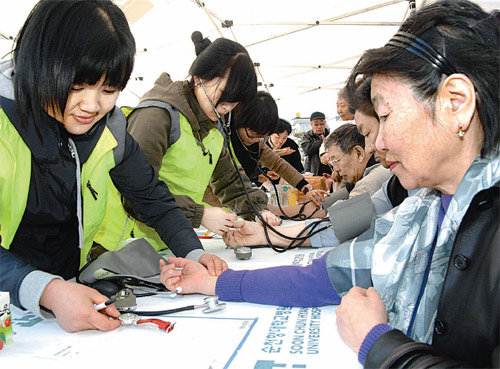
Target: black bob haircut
{"type": "Point", "coordinates": [345, 137]}
{"type": "Point", "coordinates": [282, 126]}
{"type": "Point", "coordinates": [467, 37]}
{"type": "Point", "coordinates": [216, 59]}
{"type": "Point", "coordinates": [260, 114]}
{"type": "Point", "coordinates": [69, 42]}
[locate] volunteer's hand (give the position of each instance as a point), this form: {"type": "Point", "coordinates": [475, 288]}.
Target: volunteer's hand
{"type": "Point", "coordinates": [316, 196]}
{"type": "Point", "coordinates": [272, 175]}
{"type": "Point", "coordinates": [217, 220]}
{"type": "Point", "coordinates": [213, 263]}
{"type": "Point", "coordinates": [245, 234]}
{"type": "Point", "coordinates": [359, 311]}
{"type": "Point", "coordinates": [270, 218]}
{"type": "Point", "coordinates": [73, 306]}
{"type": "Point", "coordinates": [191, 276]}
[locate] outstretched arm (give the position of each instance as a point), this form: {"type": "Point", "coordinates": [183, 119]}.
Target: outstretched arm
{"type": "Point", "coordinates": [284, 285]}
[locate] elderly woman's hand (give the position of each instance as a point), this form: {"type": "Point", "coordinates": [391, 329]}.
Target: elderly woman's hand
{"type": "Point", "coordinates": [359, 311]}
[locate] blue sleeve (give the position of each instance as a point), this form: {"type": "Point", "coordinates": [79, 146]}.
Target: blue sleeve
{"type": "Point", "coordinates": [283, 285]}
{"type": "Point", "coordinates": [12, 272]}
{"type": "Point", "coordinates": [370, 339]}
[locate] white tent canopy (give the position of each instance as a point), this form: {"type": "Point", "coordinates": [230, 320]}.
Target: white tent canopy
{"type": "Point", "coordinates": [304, 49]}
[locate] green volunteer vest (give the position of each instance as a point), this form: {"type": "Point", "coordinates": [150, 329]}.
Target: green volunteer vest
{"type": "Point", "coordinates": [184, 169]}
{"type": "Point", "coordinates": [15, 173]}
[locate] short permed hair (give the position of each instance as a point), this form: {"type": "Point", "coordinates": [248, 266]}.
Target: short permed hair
{"type": "Point", "coordinates": [345, 137]}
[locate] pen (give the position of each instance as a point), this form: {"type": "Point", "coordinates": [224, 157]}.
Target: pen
{"type": "Point", "coordinates": [104, 304]}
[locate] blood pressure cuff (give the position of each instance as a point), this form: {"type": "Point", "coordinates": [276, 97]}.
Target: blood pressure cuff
{"type": "Point", "coordinates": [138, 261]}
{"type": "Point", "coordinates": [351, 217]}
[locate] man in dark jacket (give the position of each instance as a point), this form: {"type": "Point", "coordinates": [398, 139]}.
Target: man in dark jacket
{"type": "Point", "coordinates": [311, 143]}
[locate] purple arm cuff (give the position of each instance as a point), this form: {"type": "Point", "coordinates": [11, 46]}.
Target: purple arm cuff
{"type": "Point", "coordinates": [228, 286]}
{"type": "Point", "coordinates": [370, 339]}
{"type": "Point", "coordinates": [284, 285]}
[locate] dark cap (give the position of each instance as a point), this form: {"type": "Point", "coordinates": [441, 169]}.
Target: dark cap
{"type": "Point", "coordinates": [317, 115]}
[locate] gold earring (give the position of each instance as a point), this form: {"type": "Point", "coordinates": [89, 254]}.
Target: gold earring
{"type": "Point", "coordinates": [461, 132]}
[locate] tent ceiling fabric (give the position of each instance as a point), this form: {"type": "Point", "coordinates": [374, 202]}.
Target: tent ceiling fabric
{"type": "Point", "coordinates": [305, 50]}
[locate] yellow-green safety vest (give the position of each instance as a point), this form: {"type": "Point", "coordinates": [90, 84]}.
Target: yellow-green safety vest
{"type": "Point", "coordinates": [185, 170]}
{"type": "Point", "coordinates": [15, 174]}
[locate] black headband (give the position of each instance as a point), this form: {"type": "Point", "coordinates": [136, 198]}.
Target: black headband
{"type": "Point", "coordinates": [423, 50]}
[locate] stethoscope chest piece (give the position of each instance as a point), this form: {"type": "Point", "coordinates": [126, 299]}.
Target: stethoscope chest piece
{"type": "Point", "coordinates": [213, 305]}
{"type": "Point", "coordinates": [243, 252]}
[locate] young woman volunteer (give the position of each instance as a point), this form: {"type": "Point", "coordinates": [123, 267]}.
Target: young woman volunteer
{"type": "Point", "coordinates": [61, 138]}
{"type": "Point", "coordinates": [176, 124]}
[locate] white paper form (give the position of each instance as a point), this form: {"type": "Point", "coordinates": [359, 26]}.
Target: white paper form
{"type": "Point", "coordinates": [196, 342]}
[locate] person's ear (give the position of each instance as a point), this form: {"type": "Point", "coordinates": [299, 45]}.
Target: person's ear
{"type": "Point", "coordinates": [196, 81]}
{"type": "Point", "coordinates": [359, 152]}
{"type": "Point", "coordinates": [458, 101]}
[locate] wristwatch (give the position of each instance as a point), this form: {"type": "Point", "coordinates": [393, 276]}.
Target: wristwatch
{"type": "Point", "coordinates": [308, 187]}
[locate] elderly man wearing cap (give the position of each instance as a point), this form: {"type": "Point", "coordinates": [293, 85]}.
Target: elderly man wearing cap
{"type": "Point", "coordinates": [311, 143]}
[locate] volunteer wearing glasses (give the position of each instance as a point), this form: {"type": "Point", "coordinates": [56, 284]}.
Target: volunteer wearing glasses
{"type": "Point", "coordinates": [311, 143]}
{"type": "Point", "coordinates": [254, 121]}
{"type": "Point", "coordinates": [175, 124]}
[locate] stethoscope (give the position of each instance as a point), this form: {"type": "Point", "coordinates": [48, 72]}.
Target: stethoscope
{"type": "Point", "coordinates": [294, 241]}
{"type": "Point", "coordinates": [211, 304]}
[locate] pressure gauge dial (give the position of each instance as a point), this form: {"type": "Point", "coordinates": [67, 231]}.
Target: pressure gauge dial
{"type": "Point", "coordinates": [243, 252]}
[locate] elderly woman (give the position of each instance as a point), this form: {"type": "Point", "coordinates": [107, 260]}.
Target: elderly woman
{"type": "Point", "coordinates": [435, 87]}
